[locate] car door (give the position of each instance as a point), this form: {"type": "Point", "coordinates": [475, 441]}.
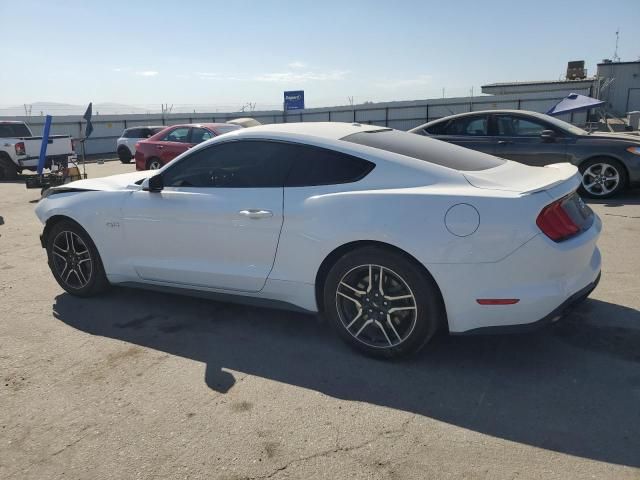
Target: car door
{"type": "Point", "coordinates": [470, 131]}
{"type": "Point", "coordinates": [215, 224]}
{"type": "Point", "coordinates": [520, 138]}
{"type": "Point", "coordinates": [173, 143]}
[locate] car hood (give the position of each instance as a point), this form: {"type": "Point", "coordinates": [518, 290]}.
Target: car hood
{"type": "Point", "coordinates": [125, 181]}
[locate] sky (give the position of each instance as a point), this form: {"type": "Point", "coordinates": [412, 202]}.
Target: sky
{"type": "Point", "coordinates": [220, 55]}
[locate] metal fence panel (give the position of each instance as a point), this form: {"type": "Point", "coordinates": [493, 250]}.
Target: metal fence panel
{"type": "Point", "coordinates": [400, 115]}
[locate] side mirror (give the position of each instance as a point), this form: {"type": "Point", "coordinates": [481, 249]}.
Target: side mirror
{"type": "Point", "coordinates": [153, 184]}
{"type": "Point", "coordinates": [548, 135]}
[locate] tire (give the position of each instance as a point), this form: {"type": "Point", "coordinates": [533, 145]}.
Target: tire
{"type": "Point", "coordinates": [154, 163]}
{"type": "Point", "coordinates": [8, 170]}
{"type": "Point", "coordinates": [74, 260]}
{"type": "Point", "coordinates": [381, 331]}
{"type": "Point", "coordinates": [602, 177]}
{"type": "Point", "coordinates": [124, 155]}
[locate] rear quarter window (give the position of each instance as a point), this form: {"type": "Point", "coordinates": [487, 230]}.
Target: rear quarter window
{"type": "Point", "coordinates": [427, 149]}
{"type": "Point", "coordinates": [311, 166]}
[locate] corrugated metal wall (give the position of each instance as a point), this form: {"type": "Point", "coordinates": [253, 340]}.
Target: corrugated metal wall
{"type": "Point", "coordinates": [402, 115]}
{"type": "Point", "coordinates": [623, 95]}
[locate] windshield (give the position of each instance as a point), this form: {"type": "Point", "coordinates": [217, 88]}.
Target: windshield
{"type": "Point", "coordinates": [427, 149]}
{"type": "Point", "coordinates": [12, 130]}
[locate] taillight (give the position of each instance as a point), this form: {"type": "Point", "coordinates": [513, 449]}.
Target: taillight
{"type": "Point", "coordinates": [555, 222]}
{"type": "Point", "coordinates": [20, 150]}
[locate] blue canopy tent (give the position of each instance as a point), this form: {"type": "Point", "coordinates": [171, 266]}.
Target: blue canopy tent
{"type": "Point", "coordinates": [574, 103]}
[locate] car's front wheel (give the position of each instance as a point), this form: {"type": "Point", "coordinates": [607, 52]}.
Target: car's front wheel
{"type": "Point", "coordinates": [602, 177]}
{"type": "Point", "coordinates": [382, 303]}
{"type": "Point", "coordinates": [153, 164]}
{"type": "Point", "coordinates": [74, 260]}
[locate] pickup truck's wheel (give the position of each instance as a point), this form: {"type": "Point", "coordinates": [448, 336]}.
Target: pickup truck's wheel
{"type": "Point", "coordinates": [124, 154]}
{"type": "Point", "coordinates": [74, 260]}
{"type": "Point", "coordinates": [8, 170]}
{"type": "Point", "coordinates": [153, 164]}
{"type": "Point", "coordinates": [382, 303]}
{"type": "Point", "coordinates": [602, 177]}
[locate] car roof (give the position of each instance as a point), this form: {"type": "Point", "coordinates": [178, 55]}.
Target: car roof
{"type": "Point", "coordinates": [328, 130]}
{"type": "Point", "coordinates": [210, 125]}
{"type": "Point", "coordinates": [481, 112]}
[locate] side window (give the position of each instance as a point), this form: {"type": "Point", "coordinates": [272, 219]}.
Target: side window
{"type": "Point", "coordinates": [437, 129]}
{"type": "Point", "coordinates": [145, 133]}
{"type": "Point", "coordinates": [318, 166]}
{"type": "Point", "coordinates": [177, 135]}
{"type": "Point", "coordinates": [199, 135]}
{"type": "Point", "coordinates": [241, 164]}
{"type": "Point", "coordinates": [131, 133]}
{"type": "Point", "coordinates": [513, 126]}
{"type": "Point", "coordinates": [474, 126]}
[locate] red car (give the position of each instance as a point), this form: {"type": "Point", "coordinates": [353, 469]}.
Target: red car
{"type": "Point", "coordinates": [164, 146]}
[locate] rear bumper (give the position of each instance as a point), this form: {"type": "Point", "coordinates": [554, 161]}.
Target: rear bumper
{"type": "Point", "coordinates": [543, 275]}
{"type": "Point", "coordinates": [553, 317]}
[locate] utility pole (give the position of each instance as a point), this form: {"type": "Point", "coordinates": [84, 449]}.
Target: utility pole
{"type": "Point", "coordinates": [27, 111]}
{"type": "Point", "coordinates": [616, 58]}
{"type": "Point", "coordinates": [353, 109]}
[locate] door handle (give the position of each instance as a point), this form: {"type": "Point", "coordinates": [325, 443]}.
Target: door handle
{"type": "Point", "coordinates": [160, 147]}
{"type": "Point", "coordinates": [504, 142]}
{"type": "Point", "coordinates": [255, 213]}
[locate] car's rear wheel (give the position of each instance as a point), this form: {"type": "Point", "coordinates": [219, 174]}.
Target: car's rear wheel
{"type": "Point", "coordinates": [382, 303]}
{"type": "Point", "coordinates": [124, 155]}
{"type": "Point", "coordinates": [74, 260]}
{"type": "Point", "coordinates": [602, 177]}
{"type": "Point", "coordinates": [153, 164]}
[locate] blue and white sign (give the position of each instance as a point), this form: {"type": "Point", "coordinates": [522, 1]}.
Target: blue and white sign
{"type": "Point", "coordinates": [294, 100]}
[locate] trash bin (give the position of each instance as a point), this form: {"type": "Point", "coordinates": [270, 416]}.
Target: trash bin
{"type": "Point", "coordinates": [633, 119]}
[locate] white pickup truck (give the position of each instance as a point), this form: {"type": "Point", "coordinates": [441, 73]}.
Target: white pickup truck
{"type": "Point", "coordinates": [20, 150]}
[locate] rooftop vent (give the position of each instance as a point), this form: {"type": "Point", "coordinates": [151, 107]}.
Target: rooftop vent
{"type": "Point", "coordinates": [576, 71]}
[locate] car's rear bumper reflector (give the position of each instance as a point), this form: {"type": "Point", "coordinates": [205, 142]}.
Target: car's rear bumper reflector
{"type": "Point", "coordinates": [497, 301]}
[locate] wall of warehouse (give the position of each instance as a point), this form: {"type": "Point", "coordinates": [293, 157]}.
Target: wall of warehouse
{"type": "Point", "coordinates": [402, 115]}
{"type": "Point", "coordinates": [623, 94]}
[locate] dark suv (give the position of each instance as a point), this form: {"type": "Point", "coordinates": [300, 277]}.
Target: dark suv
{"type": "Point", "coordinates": [608, 162]}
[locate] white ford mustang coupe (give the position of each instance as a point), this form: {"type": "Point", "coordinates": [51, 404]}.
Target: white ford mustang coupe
{"type": "Point", "coordinates": [390, 235]}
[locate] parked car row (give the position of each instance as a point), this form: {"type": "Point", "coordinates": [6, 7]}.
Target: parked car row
{"type": "Point", "coordinates": [608, 163]}
{"type": "Point", "coordinates": [164, 146]}
{"type": "Point", "coordinates": [156, 150]}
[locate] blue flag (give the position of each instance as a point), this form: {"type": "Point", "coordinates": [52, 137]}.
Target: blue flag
{"type": "Point", "coordinates": [87, 117]}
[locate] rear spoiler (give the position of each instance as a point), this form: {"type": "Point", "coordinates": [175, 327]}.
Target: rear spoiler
{"type": "Point", "coordinates": [525, 180]}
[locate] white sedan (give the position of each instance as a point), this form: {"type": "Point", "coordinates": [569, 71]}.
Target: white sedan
{"type": "Point", "coordinates": [390, 235]}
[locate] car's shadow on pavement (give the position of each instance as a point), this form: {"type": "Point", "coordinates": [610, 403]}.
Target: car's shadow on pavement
{"type": "Point", "coordinates": [628, 197]}
{"type": "Point", "coordinates": [572, 388]}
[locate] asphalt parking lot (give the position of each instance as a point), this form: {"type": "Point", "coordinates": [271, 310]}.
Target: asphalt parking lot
{"type": "Point", "coordinates": [137, 384]}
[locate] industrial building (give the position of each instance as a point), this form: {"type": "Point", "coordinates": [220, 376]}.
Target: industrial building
{"type": "Point", "coordinates": [617, 83]}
